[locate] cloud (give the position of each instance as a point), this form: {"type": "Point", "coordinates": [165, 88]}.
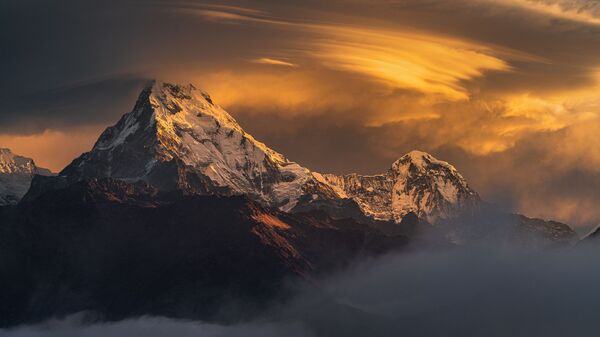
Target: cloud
{"type": "Point", "coordinates": [472, 291]}
{"type": "Point", "coordinates": [150, 327]}
{"type": "Point", "coordinates": [80, 104]}
{"type": "Point", "coordinates": [434, 65]}
{"type": "Point", "coordinates": [275, 62]}
{"type": "Point", "coordinates": [53, 149]}
{"type": "Point", "coordinates": [582, 11]}
{"type": "Point", "coordinates": [396, 58]}
{"type": "Point", "coordinates": [552, 175]}
{"type": "Point", "coordinates": [393, 57]}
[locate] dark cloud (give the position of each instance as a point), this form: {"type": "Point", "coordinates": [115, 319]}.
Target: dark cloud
{"type": "Point", "coordinates": [52, 44]}
{"type": "Point", "coordinates": [95, 103]}
{"type": "Point", "coordinates": [60, 59]}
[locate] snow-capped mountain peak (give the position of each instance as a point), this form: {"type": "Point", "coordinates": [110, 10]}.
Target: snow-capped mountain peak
{"type": "Point", "coordinates": [16, 173]}
{"type": "Point", "coordinates": [11, 163]}
{"type": "Point", "coordinates": [176, 137]}
{"type": "Point", "coordinates": [417, 183]}
{"type": "Point", "coordinates": [418, 166]}
{"type": "Point", "coordinates": [428, 186]}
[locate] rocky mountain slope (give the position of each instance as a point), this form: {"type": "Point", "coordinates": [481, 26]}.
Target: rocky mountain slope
{"type": "Point", "coordinates": [16, 173]}
{"type": "Point", "coordinates": [122, 249]}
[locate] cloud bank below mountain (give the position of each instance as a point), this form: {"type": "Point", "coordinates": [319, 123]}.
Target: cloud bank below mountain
{"type": "Point", "coordinates": [479, 291]}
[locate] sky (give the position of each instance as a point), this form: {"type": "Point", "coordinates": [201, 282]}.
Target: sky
{"type": "Point", "coordinates": [508, 91]}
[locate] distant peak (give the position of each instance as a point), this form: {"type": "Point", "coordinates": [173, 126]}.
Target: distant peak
{"type": "Point", "coordinates": [13, 163]}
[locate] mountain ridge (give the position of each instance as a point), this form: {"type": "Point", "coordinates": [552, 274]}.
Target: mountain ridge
{"type": "Point", "coordinates": [176, 137]}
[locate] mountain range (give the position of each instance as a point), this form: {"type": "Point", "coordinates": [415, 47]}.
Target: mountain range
{"type": "Point", "coordinates": [176, 208]}
{"type": "Point", "coordinates": [177, 138]}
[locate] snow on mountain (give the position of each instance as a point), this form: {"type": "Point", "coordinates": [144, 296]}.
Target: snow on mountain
{"type": "Point", "coordinates": [177, 138]}
{"type": "Point", "coordinates": [16, 173]}
{"type": "Point", "coordinates": [417, 183]}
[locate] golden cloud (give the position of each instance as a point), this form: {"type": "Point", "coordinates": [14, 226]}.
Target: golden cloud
{"type": "Point", "coordinates": [574, 10]}
{"type": "Point", "coordinates": [431, 64]}
{"type": "Point", "coordinates": [275, 62]}
{"type": "Point", "coordinates": [425, 63]}
{"type": "Point", "coordinates": [417, 77]}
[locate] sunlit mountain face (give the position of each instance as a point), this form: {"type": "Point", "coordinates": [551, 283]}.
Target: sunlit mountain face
{"type": "Point", "coordinates": [299, 168]}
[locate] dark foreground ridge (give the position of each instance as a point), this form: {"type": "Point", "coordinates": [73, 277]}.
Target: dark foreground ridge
{"type": "Point", "coordinates": [123, 250]}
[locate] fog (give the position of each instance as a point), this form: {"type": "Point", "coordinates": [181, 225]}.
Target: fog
{"type": "Point", "coordinates": [76, 326]}
{"type": "Point", "coordinates": [469, 291]}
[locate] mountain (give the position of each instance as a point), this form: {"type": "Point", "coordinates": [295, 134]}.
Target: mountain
{"type": "Point", "coordinates": [548, 231]}
{"type": "Point", "coordinates": [489, 225]}
{"type": "Point", "coordinates": [416, 183]}
{"type": "Point", "coordinates": [16, 173]}
{"type": "Point", "coordinates": [122, 249]}
{"type": "Point", "coordinates": [177, 138]}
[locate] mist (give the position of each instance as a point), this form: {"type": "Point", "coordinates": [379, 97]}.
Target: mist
{"type": "Point", "coordinates": [466, 291]}
{"type": "Point", "coordinates": [150, 326]}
